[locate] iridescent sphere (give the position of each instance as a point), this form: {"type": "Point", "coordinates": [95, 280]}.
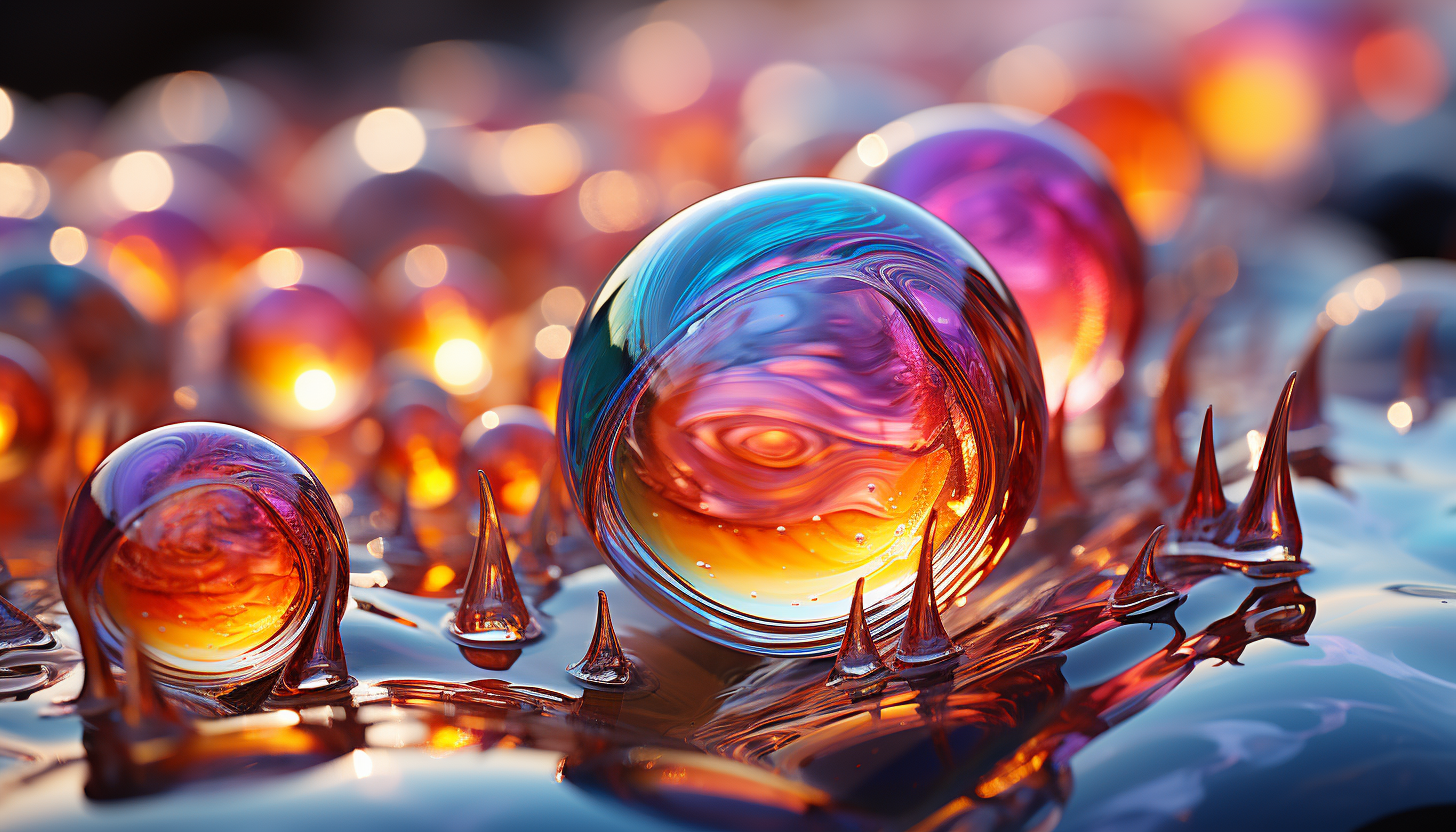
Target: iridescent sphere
{"type": "Point", "coordinates": [216, 549]}
{"type": "Point", "coordinates": [299, 350]}
{"type": "Point", "coordinates": [27, 418]}
{"type": "Point", "coordinates": [769, 395]}
{"type": "Point", "coordinates": [1030, 195]}
{"type": "Point", "coordinates": [512, 445]}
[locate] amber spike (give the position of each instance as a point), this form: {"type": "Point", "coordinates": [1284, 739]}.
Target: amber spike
{"type": "Point", "coordinates": [1415, 389]}
{"type": "Point", "coordinates": [1205, 497]}
{"type": "Point", "coordinates": [1140, 590]}
{"type": "Point", "coordinates": [1058, 491]}
{"type": "Point", "coordinates": [1167, 447]}
{"type": "Point", "coordinates": [858, 658]}
{"type": "Point", "coordinates": [1267, 516]}
{"type": "Point", "coordinates": [492, 610]}
{"type": "Point", "coordinates": [19, 631]}
{"type": "Point", "coordinates": [142, 702]}
{"type": "Point", "coordinates": [604, 662]}
{"type": "Point", "coordinates": [537, 559]}
{"type": "Point", "coordinates": [319, 665]}
{"type": "Point", "coordinates": [1305, 410]}
{"type": "Point", "coordinates": [924, 639]}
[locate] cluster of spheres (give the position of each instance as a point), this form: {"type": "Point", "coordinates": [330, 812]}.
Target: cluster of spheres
{"type": "Point", "coordinates": [869, 333]}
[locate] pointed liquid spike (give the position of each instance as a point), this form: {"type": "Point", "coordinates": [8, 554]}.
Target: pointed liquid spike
{"type": "Point", "coordinates": [1206, 503]}
{"type": "Point", "coordinates": [1140, 590]}
{"type": "Point", "coordinates": [1305, 410]}
{"type": "Point", "coordinates": [604, 662]}
{"type": "Point", "coordinates": [858, 657]}
{"type": "Point", "coordinates": [1167, 446]}
{"type": "Point", "coordinates": [537, 559]}
{"type": "Point", "coordinates": [98, 686]}
{"type": "Point", "coordinates": [1415, 386]}
{"type": "Point", "coordinates": [492, 610]}
{"type": "Point", "coordinates": [924, 640]}
{"type": "Point", "coordinates": [1058, 491]}
{"type": "Point", "coordinates": [1267, 517]}
{"type": "Point", "coordinates": [142, 702]}
{"type": "Point", "coordinates": [319, 665]}
{"type": "Point", "coordinates": [19, 631]}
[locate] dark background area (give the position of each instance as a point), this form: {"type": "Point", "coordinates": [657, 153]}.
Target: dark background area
{"type": "Point", "coordinates": [106, 49]}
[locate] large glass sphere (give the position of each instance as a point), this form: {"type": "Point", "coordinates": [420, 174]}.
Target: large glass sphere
{"type": "Point", "coordinates": [1031, 196]}
{"type": "Point", "coordinates": [772, 391]}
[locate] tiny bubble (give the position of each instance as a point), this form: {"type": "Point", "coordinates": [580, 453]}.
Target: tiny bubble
{"type": "Point", "coordinates": [753, 595]}
{"type": "Point", "coordinates": [146, 615]}
{"type": "Point", "coordinates": [161, 629]}
{"type": "Point", "coordinates": [700, 563]}
{"type": "Point", "coordinates": [900, 529]}
{"type": "Point", "coordinates": [815, 598]}
{"type": "Point", "coordinates": [781, 529]}
{"type": "Point", "coordinates": [870, 487]}
{"type": "Point", "coordinates": [859, 538]}
{"type": "Point", "coordinates": [654, 514]}
{"type": "Point", "coordinates": [816, 518]}
{"type": "Point", "coordinates": [711, 575]}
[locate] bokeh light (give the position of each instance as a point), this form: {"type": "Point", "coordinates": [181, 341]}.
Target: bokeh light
{"type": "Point", "coordinates": [141, 181]}
{"type": "Point", "coordinates": [69, 245]}
{"type": "Point", "coordinates": [390, 140]}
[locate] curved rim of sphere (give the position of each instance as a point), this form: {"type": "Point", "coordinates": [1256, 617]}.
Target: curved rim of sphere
{"type": "Point", "coordinates": [966, 548]}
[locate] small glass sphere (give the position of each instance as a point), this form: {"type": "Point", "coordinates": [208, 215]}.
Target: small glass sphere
{"type": "Point", "coordinates": [443, 302]}
{"type": "Point", "coordinates": [298, 347]}
{"type": "Point", "coordinates": [810, 354]}
{"type": "Point", "coordinates": [421, 448]}
{"type": "Point", "coordinates": [1030, 196]}
{"type": "Point", "coordinates": [512, 445]}
{"type": "Point", "coordinates": [211, 546]}
{"type": "Point", "coordinates": [100, 352]}
{"type": "Point", "coordinates": [26, 413]}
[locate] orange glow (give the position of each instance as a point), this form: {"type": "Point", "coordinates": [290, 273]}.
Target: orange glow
{"type": "Point", "coordinates": [545, 396]}
{"type": "Point", "coordinates": [540, 159]}
{"type": "Point", "coordinates": [430, 484]}
{"type": "Point", "coordinates": [1400, 74]}
{"type": "Point", "coordinates": [1257, 113]}
{"type": "Point", "coordinates": [9, 421]}
{"type": "Point", "coordinates": [144, 273]}
{"type": "Point", "coordinates": [437, 577]}
{"type": "Point", "coordinates": [204, 576]}
{"type": "Point", "coordinates": [1156, 166]}
{"type": "Point", "coordinates": [448, 737]}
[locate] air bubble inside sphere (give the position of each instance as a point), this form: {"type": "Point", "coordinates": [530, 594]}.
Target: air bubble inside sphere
{"type": "Point", "coordinates": [1031, 196]}
{"type": "Point", "coordinates": [771, 392]}
{"type": "Point", "coordinates": [215, 549]}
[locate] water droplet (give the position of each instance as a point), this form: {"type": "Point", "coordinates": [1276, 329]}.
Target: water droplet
{"type": "Point", "coordinates": [859, 538]}
{"type": "Point", "coordinates": [781, 529]}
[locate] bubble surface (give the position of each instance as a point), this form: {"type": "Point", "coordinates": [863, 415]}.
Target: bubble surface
{"type": "Point", "coordinates": [1030, 196]}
